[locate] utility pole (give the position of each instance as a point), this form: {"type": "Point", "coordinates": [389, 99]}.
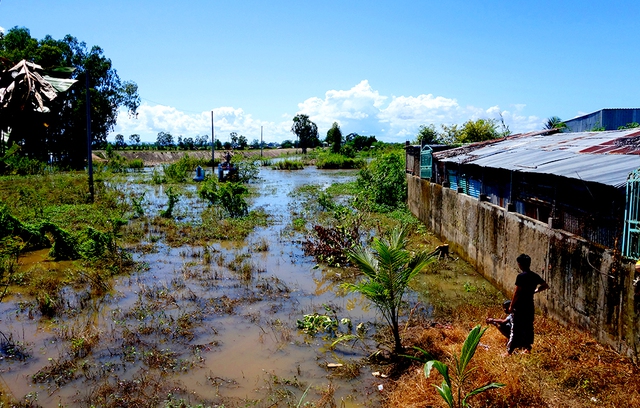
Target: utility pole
{"type": "Point", "coordinates": [89, 153]}
{"type": "Point", "coordinates": [213, 147]}
{"type": "Point", "coordinates": [260, 141]}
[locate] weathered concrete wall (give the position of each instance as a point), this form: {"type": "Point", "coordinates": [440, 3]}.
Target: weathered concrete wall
{"type": "Point", "coordinates": [591, 287]}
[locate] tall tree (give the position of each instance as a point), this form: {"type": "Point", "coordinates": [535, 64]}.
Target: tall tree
{"type": "Point", "coordinates": [120, 144]}
{"type": "Point", "coordinates": [164, 140]}
{"type": "Point", "coordinates": [242, 142]}
{"type": "Point", "coordinates": [334, 137]}
{"type": "Point", "coordinates": [62, 131]}
{"type": "Point", "coordinates": [234, 139]}
{"type": "Point", "coordinates": [306, 131]}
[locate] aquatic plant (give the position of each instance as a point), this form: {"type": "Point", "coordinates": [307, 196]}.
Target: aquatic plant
{"type": "Point", "coordinates": [288, 165]}
{"type": "Point", "coordinates": [338, 161]}
{"type": "Point", "coordinates": [173, 200]}
{"type": "Point", "coordinates": [136, 203]}
{"type": "Point", "coordinates": [248, 169]}
{"type": "Point", "coordinates": [135, 164]}
{"type": "Point", "coordinates": [229, 196]}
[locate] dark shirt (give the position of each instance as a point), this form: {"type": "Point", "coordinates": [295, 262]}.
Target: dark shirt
{"type": "Point", "coordinates": [505, 328]}
{"type": "Point", "coordinates": [527, 282]}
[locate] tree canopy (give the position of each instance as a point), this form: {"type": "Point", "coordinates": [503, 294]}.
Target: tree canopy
{"type": "Point", "coordinates": [428, 134]}
{"type": "Point", "coordinates": [334, 137]}
{"type": "Point", "coordinates": [306, 131]}
{"type": "Point", "coordinates": [472, 131]}
{"type": "Point", "coordinates": [61, 132]}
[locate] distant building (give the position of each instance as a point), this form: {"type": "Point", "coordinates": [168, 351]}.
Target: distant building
{"type": "Point", "coordinates": [609, 119]}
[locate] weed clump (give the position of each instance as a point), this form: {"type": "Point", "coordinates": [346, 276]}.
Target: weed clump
{"type": "Point", "coordinates": [229, 196]}
{"type": "Point", "coordinates": [289, 165]}
{"type": "Point", "coordinates": [338, 161]}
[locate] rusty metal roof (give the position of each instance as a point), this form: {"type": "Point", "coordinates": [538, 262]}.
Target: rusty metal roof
{"type": "Point", "coordinates": [601, 157]}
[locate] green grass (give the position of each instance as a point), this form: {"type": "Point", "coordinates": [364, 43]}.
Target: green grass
{"type": "Point", "coordinates": [338, 161]}
{"type": "Point", "coordinates": [289, 165]}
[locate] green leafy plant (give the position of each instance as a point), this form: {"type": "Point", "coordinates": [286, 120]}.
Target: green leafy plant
{"type": "Point", "coordinates": [338, 161]}
{"type": "Point", "coordinates": [388, 269]}
{"type": "Point", "coordinates": [173, 200]}
{"type": "Point", "coordinates": [461, 375]}
{"type": "Point", "coordinates": [136, 203]}
{"type": "Point", "coordinates": [229, 196]}
{"type": "Point", "coordinates": [382, 184]}
{"type": "Point", "coordinates": [157, 177]}
{"type": "Point", "coordinates": [248, 169]}
{"type": "Point", "coordinates": [327, 323]}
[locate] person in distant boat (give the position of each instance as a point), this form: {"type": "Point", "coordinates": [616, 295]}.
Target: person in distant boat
{"type": "Point", "coordinates": [528, 283]}
{"type": "Point", "coordinates": [227, 158]}
{"type": "Point", "coordinates": [504, 325]}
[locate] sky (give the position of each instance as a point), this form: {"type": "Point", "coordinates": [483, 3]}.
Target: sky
{"type": "Point", "coordinates": [380, 68]}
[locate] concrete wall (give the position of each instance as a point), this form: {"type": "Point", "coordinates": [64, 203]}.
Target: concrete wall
{"type": "Point", "coordinates": [592, 288]}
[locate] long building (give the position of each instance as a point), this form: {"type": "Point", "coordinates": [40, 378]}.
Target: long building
{"type": "Point", "coordinates": [570, 200]}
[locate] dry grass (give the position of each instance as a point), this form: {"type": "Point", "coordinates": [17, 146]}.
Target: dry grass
{"type": "Point", "coordinates": [566, 368]}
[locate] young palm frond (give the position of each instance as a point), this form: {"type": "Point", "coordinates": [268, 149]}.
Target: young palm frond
{"type": "Point", "coordinates": [388, 268]}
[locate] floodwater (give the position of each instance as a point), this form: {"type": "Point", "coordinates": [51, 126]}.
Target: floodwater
{"type": "Point", "coordinates": [217, 323]}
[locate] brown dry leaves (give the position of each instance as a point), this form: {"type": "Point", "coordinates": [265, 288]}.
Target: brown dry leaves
{"type": "Point", "coordinates": [566, 368]}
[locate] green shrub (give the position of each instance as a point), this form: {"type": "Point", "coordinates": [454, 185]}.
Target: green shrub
{"type": "Point", "coordinates": [179, 171]}
{"type": "Point", "coordinates": [289, 165]}
{"type": "Point", "coordinates": [248, 169]}
{"type": "Point", "coordinates": [338, 161]}
{"type": "Point", "coordinates": [382, 184]}
{"type": "Point", "coordinates": [136, 164]}
{"type": "Point", "coordinates": [173, 200]}
{"type": "Point", "coordinates": [229, 196]}
{"type": "Point", "coordinates": [13, 163]}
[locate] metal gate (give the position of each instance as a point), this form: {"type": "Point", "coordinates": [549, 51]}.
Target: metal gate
{"type": "Point", "coordinates": [426, 160]}
{"type": "Point", "coordinates": [631, 236]}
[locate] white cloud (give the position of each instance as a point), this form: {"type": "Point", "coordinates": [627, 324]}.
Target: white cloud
{"type": "Point", "coordinates": [360, 109]}
{"type": "Point", "coordinates": [2, 31]}
{"type": "Point", "coordinates": [151, 120]}
{"type": "Point", "coordinates": [355, 109]}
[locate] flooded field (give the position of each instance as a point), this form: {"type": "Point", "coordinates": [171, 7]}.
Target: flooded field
{"type": "Point", "coordinates": [210, 325]}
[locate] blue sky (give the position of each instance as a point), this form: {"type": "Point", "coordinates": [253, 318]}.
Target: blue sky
{"type": "Point", "coordinates": [377, 68]}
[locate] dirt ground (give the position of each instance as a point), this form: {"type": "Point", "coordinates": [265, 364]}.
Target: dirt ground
{"type": "Point", "coordinates": [155, 157]}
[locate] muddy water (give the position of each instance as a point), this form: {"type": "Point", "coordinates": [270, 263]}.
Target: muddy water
{"type": "Point", "coordinates": [214, 325]}
{"type": "Point", "coordinates": [227, 338]}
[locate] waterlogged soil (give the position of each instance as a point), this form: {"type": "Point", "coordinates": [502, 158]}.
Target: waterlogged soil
{"type": "Point", "coordinates": [213, 324]}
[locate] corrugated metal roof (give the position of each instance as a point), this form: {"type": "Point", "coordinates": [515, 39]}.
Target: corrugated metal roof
{"type": "Point", "coordinates": [601, 157]}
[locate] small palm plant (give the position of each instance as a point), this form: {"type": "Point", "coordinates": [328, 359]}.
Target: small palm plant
{"type": "Point", "coordinates": [388, 269]}
{"type": "Point", "coordinates": [461, 373]}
